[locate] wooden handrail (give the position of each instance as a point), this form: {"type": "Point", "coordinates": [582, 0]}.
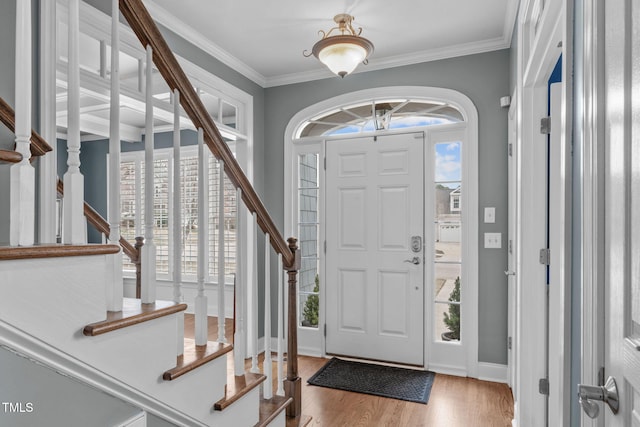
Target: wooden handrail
{"type": "Point", "coordinates": [7, 116]}
{"type": "Point", "coordinates": [10, 156]}
{"type": "Point", "coordinates": [102, 226]}
{"type": "Point", "coordinates": [54, 251]}
{"type": "Point", "coordinates": [148, 33]}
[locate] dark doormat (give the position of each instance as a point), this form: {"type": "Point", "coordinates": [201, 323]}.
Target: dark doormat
{"type": "Point", "coordinates": [385, 381]}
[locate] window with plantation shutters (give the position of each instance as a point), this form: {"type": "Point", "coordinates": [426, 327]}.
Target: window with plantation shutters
{"type": "Point", "coordinates": [132, 187]}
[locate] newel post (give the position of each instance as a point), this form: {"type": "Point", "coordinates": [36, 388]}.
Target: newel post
{"type": "Point", "coordinates": [293, 383]}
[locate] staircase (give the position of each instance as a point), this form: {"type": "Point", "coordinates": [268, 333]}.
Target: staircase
{"type": "Point", "coordinates": [62, 305]}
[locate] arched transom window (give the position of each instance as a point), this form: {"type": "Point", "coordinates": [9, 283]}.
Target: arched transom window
{"type": "Point", "coordinates": [380, 114]}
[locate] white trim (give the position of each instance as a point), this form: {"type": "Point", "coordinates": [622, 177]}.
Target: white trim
{"type": "Point", "coordinates": [494, 372]}
{"type": "Point", "coordinates": [470, 177]}
{"type": "Point", "coordinates": [538, 54]}
{"type": "Point", "coordinates": [39, 352]}
{"type": "Point", "coordinates": [592, 245]}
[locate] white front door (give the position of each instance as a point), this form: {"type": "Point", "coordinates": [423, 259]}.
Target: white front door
{"type": "Point", "coordinates": [622, 207]}
{"type": "Point", "coordinates": [375, 254]}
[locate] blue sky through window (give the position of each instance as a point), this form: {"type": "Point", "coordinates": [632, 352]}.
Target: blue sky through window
{"type": "Point", "coordinates": [448, 162]}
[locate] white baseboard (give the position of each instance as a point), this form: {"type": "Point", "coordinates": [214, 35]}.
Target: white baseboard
{"type": "Point", "coordinates": [493, 372]}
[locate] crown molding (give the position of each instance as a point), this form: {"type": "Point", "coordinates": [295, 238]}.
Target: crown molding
{"type": "Point", "coordinates": [185, 31]}
{"type": "Point", "coordinates": [398, 61]}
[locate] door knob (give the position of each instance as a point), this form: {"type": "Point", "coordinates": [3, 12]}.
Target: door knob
{"type": "Point", "coordinates": [589, 394]}
{"type": "Point", "coordinates": [415, 260]}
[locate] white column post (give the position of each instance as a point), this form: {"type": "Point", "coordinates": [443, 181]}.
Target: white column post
{"type": "Point", "coordinates": [221, 275]}
{"type": "Point", "coordinates": [148, 277]}
{"type": "Point", "coordinates": [115, 283]}
{"type": "Point", "coordinates": [280, 360]}
{"type": "Point", "coordinates": [267, 366]}
{"type": "Point", "coordinates": [22, 175]}
{"type": "Point", "coordinates": [239, 344]}
{"type": "Point", "coordinates": [48, 174]}
{"type": "Point", "coordinates": [74, 224]}
{"type": "Point", "coordinates": [202, 330]}
{"type": "Point", "coordinates": [177, 220]}
{"type": "Point", "coordinates": [254, 299]}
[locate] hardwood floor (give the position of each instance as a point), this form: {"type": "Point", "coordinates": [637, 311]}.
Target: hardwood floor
{"type": "Point", "coordinates": [454, 401]}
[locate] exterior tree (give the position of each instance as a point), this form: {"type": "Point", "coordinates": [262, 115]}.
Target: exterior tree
{"type": "Point", "coordinates": [312, 306]}
{"type": "Point", "coordinates": [452, 319]}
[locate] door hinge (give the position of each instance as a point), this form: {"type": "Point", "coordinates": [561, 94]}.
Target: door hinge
{"type": "Point", "coordinates": [545, 256]}
{"type": "Point", "coordinates": [510, 149]}
{"type": "Point", "coordinates": [325, 163]}
{"type": "Point", "coordinates": [325, 330]}
{"type": "Point", "coordinates": [543, 386]}
{"type": "Point", "coordinates": [510, 246]}
{"type": "Point", "coordinates": [545, 125]}
{"type": "Point", "coordinates": [509, 343]}
{"type": "Point", "coordinates": [325, 246]}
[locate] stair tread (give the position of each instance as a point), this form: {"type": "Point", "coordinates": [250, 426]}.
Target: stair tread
{"type": "Point", "coordinates": [133, 312]}
{"type": "Point", "coordinates": [271, 408]}
{"type": "Point", "coordinates": [300, 421]}
{"type": "Point", "coordinates": [238, 386]}
{"type": "Point", "coordinates": [195, 356]}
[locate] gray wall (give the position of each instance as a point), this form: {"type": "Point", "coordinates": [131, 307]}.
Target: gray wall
{"type": "Point", "coordinates": [75, 404]}
{"type": "Point", "coordinates": [484, 78]}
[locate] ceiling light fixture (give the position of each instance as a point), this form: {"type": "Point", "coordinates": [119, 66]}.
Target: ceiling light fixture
{"type": "Point", "coordinates": [342, 52]}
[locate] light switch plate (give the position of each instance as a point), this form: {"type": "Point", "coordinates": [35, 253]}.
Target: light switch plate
{"type": "Point", "coordinates": [490, 215]}
{"type": "Point", "coordinates": [493, 240]}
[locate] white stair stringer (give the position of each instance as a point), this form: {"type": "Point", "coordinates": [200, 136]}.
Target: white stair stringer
{"type": "Point", "coordinates": [49, 301]}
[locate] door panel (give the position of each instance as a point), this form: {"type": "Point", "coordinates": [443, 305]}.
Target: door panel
{"type": "Point", "coordinates": [375, 203]}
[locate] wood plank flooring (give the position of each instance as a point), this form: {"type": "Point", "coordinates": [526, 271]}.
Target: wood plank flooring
{"type": "Point", "coordinates": [454, 401]}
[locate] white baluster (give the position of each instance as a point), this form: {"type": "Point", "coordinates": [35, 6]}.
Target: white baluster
{"type": "Point", "coordinates": [280, 360]}
{"type": "Point", "coordinates": [267, 366]}
{"type": "Point", "coordinates": [221, 310]}
{"type": "Point", "coordinates": [177, 221]}
{"type": "Point", "coordinates": [47, 168]}
{"type": "Point", "coordinates": [148, 277]}
{"type": "Point", "coordinates": [22, 174]}
{"type": "Point", "coordinates": [239, 336]}
{"type": "Point", "coordinates": [115, 283]}
{"type": "Point", "coordinates": [254, 300]}
{"type": "Point", "coordinates": [202, 332]}
{"type": "Point", "coordinates": [74, 230]}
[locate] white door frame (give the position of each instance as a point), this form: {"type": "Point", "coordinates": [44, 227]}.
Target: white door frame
{"type": "Point", "coordinates": [311, 341]}
{"type": "Point", "coordinates": [592, 247]}
{"type": "Point", "coordinates": [542, 35]}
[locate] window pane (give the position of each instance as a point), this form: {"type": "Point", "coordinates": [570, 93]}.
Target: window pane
{"type": "Point", "coordinates": [128, 207]}
{"type": "Point", "coordinates": [189, 213]}
{"type": "Point", "coordinates": [308, 170]}
{"type": "Point", "coordinates": [448, 162]}
{"type": "Point", "coordinates": [447, 280]}
{"type": "Point", "coordinates": [308, 206]}
{"type": "Point", "coordinates": [448, 235]}
{"type": "Point", "coordinates": [448, 201]}
{"type": "Point", "coordinates": [229, 221]}
{"type": "Point", "coordinates": [309, 287]}
{"type": "Point", "coordinates": [161, 214]}
{"type": "Point", "coordinates": [446, 320]}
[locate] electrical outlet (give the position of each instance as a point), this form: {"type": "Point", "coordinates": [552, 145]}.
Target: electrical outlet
{"type": "Point", "coordinates": [490, 215]}
{"type": "Point", "coordinates": [493, 240]}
